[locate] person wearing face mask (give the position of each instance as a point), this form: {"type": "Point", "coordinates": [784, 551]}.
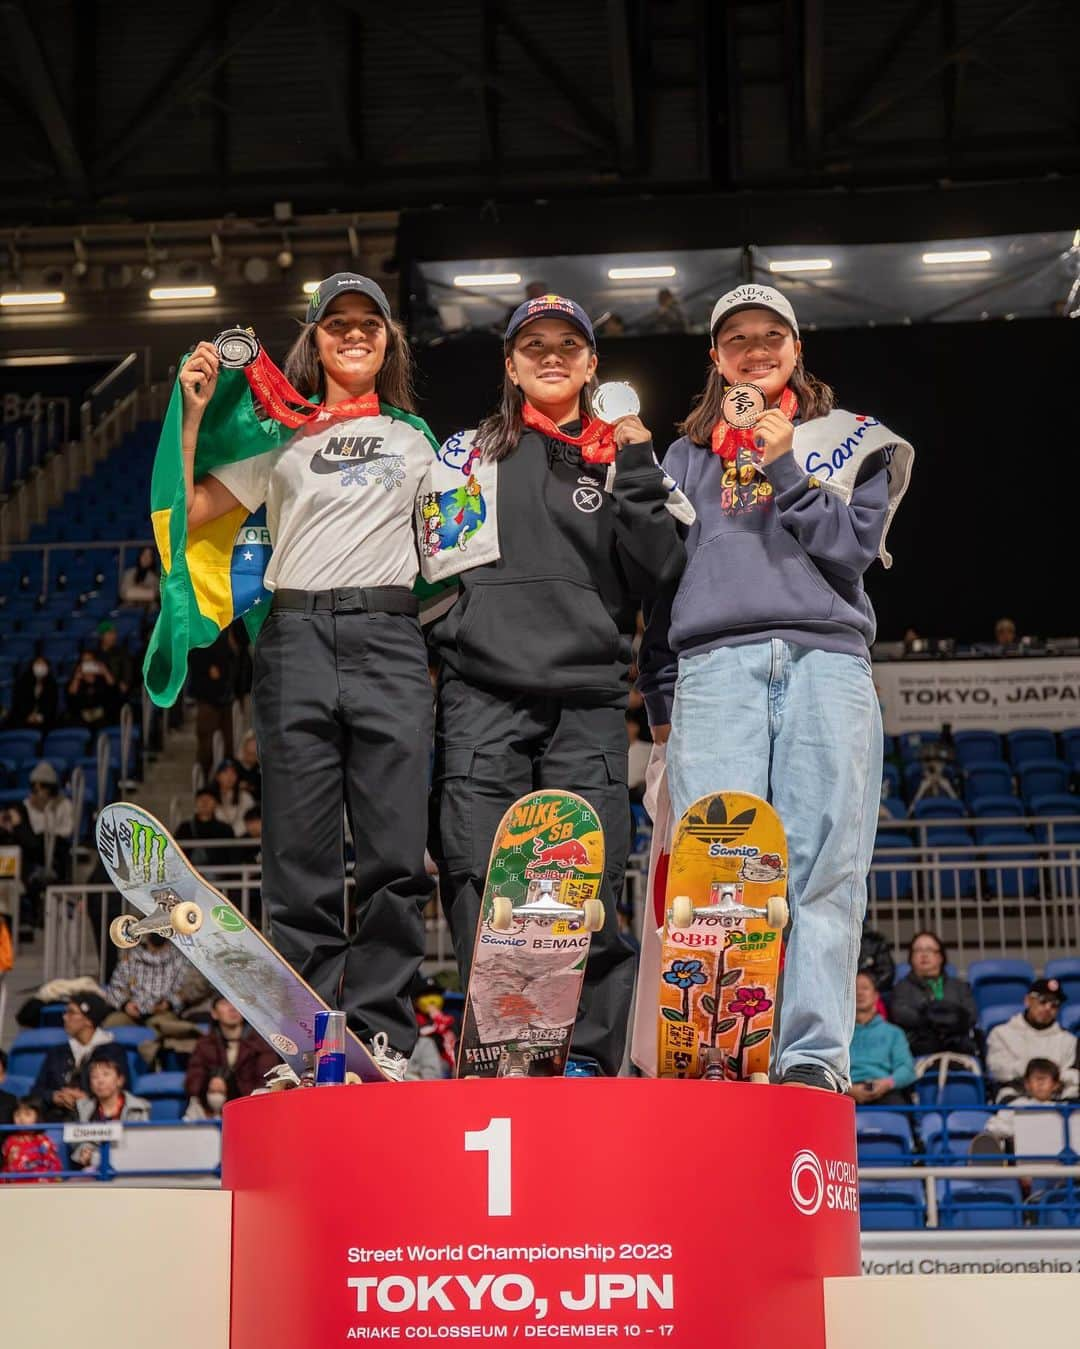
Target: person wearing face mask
{"type": "Point", "coordinates": [91, 694]}
{"type": "Point", "coordinates": [34, 698]}
{"type": "Point", "coordinates": [534, 652]}
{"type": "Point", "coordinates": [210, 1104]}
{"type": "Point", "coordinates": [230, 1053]}
{"type": "Point", "coordinates": [757, 662]}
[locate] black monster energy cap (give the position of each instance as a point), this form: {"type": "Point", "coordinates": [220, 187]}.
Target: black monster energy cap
{"type": "Point", "coordinates": [337, 285]}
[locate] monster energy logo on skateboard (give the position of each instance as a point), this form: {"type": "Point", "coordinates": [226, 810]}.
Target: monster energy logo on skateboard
{"type": "Point", "coordinates": [147, 848]}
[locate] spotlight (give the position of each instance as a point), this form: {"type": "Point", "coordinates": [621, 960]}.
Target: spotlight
{"type": "Point", "coordinates": [285, 254]}
{"type": "Point", "coordinates": [256, 270]}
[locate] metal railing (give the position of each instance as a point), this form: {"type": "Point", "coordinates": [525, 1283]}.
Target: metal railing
{"type": "Point", "coordinates": [106, 1168]}
{"type": "Point", "coordinates": [126, 549]}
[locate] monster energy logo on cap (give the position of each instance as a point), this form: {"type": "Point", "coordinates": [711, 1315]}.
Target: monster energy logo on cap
{"type": "Point", "coordinates": [147, 848]}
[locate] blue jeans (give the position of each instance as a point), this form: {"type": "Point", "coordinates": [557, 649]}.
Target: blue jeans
{"type": "Point", "coordinates": [802, 728]}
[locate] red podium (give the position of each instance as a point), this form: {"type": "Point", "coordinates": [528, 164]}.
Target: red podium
{"type": "Point", "coordinates": [696, 1213]}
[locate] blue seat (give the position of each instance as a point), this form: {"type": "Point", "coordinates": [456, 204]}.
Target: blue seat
{"type": "Point", "coordinates": [959, 1089]}
{"type": "Point", "coordinates": [977, 747]}
{"type": "Point", "coordinates": [996, 1014]}
{"type": "Point", "coordinates": [1066, 970]}
{"type": "Point", "coordinates": [980, 1204]}
{"type": "Point", "coordinates": [912, 743]}
{"type": "Point", "coordinates": [19, 745]}
{"type": "Point", "coordinates": [894, 807]}
{"type": "Point", "coordinates": [67, 743]}
{"type": "Point", "coordinates": [997, 807]}
{"type": "Point", "coordinates": [28, 1050]}
{"type": "Point", "coordinates": [166, 1094]}
{"type": "Point", "coordinates": [988, 779]}
{"type": "Point", "coordinates": [1069, 1017]}
{"type": "Point", "coordinates": [957, 876]}
{"type": "Point", "coordinates": [1070, 744]}
{"type": "Point", "coordinates": [939, 808]}
{"type": "Point", "coordinates": [1003, 877]}
{"type": "Point", "coordinates": [913, 775]}
{"type": "Point", "coordinates": [19, 648]}
{"type": "Point", "coordinates": [890, 780]}
{"type": "Point", "coordinates": [947, 1136]}
{"type": "Point", "coordinates": [22, 774]}
{"type": "Point", "coordinates": [1043, 777]}
{"type": "Point", "coordinates": [891, 1205]}
{"type": "Point", "coordinates": [17, 1085]}
{"type": "Point", "coordinates": [129, 1038]}
{"type": "Point", "coordinates": [1031, 743]}
{"type": "Point", "coordinates": [893, 882]}
{"type": "Point", "coordinates": [1058, 1206]}
{"type": "Point", "coordinates": [883, 1137]}
{"type": "Point", "coordinates": [999, 980]}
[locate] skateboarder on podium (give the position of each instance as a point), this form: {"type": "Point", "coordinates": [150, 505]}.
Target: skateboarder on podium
{"type": "Point", "coordinates": [757, 662]}
{"type": "Point", "coordinates": [534, 652]}
{"type": "Point", "coordinates": [342, 699]}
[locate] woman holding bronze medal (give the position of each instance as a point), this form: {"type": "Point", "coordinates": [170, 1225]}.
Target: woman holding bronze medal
{"type": "Point", "coordinates": [534, 652]}
{"type": "Point", "coordinates": [759, 658]}
{"type": "Point", "coordinates": [341, 695]}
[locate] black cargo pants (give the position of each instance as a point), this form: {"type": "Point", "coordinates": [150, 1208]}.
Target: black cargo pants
{"type": "Point", "coordinates": [490, 749]}
{"type": "Point", "coordinates": [343, 715]}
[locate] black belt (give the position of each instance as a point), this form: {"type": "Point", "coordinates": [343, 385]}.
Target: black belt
{"type": "Point", "coordinates": [351, 600]}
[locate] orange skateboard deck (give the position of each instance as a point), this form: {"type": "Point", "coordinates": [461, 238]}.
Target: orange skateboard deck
{"type": "Point", "coordinates": [724, 911]}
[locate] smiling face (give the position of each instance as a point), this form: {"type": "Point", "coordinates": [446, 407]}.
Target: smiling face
{"type": "Point", "coordinates": [351, 341]}
{"type": "Point", "coordinates": [754, 346]}
{"type": "Point", "coordinates": [551, 362]}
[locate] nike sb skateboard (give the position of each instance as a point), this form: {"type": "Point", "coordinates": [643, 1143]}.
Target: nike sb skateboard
{"type": "Point", "coordinates": [151, 872]}
{"type": "Point", "coordinates": [724, 912]}
{"type": "Point", "coordinates": [539, 908]}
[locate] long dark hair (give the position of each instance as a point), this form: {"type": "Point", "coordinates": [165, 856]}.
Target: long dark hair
{"type": "Point", "coordinates": [394, 382]}
{"type": "Point", "coordinates": [498, 433]}
{"type": "Point", "coordinates": [815, 400]}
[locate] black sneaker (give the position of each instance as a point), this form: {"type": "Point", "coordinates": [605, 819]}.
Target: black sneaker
{"type": "Point", "coordinates": [811, 1075]}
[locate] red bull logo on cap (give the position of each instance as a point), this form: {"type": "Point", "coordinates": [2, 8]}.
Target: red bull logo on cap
{"type": "Point", "coordinates": [548, 302]}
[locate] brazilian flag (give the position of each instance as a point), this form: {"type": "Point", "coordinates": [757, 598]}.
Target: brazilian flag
{"type": "Point", "coordinates": [214, 574]}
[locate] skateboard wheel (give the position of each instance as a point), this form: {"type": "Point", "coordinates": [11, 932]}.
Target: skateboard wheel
{"type": "Point", "coordinates": [682, 911]}
{"type": "Point", "coordinates": [119, 933]}
{"type": "Point", "coordinates": [759, 1079]}
{"type": "Point", "coordinates": [593, 912]}
{"type": "Point", "coordinates": [502, 913]}
{"type": "Point", "coordinates": [186, 919]}
{"type": "Point", "coordinates": [776, 912]}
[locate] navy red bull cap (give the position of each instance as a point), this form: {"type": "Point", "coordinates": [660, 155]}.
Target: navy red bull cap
{"type": "Point", "coordinates": [550, 306]}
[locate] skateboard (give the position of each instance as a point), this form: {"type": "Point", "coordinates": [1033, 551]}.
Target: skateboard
{"type": "Point", "coordinates": [724, 913]}
{"type": "Point", "coordinates": [537, 915]}
{"type": "Point", "coordinates": [150, 870]}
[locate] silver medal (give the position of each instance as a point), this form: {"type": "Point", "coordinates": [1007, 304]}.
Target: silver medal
{"type": "Point", "coordinates": [236, 347]}
{"type": "Point", "coordinates": [614, 400]}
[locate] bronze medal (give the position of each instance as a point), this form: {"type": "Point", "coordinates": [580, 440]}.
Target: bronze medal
{"type": "Point", "coordinates": [742, 405]}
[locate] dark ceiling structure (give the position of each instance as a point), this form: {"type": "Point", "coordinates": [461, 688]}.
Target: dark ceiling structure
{"type": "Point", "coordinates": [133, 112]}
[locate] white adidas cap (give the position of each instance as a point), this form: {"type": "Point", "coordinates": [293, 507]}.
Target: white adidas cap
{"type": "Point", "coordinates": [751, 296]}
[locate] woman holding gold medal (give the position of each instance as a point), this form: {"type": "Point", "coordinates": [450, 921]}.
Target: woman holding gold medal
{"type": "Point", "coordinates": [758, 660]}
{"type": "Point", "coordinates": [341, 694]}
{"type": "Point", "coordinates": [535, 651]}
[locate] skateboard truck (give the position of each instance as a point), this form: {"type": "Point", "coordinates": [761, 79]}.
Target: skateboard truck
{"type": "Point", "coordinates": [173, 917]}
{"type": "Point", "coordinates": [514, 1063]}
{"type": "Point", "coordinates": [542, 901]}
{"type": "Point", "coordinates": [725, 904]}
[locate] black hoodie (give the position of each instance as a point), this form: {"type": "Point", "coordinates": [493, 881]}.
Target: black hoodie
{"type": "Point", "coordinates": [556, 613]}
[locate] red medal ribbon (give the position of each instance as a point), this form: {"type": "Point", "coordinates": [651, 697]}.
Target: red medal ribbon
{"type": "Point", "coordinates": [728, 440]}
{"type": "Point", "coordinates": [281, 401]}
{"type": "Point", "coordinates": [596, 442]}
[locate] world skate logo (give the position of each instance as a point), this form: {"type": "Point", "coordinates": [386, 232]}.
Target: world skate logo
{"type": "Point", "coordinates": [807, 1182]}
{"type": "Point", "coordinates": [147, 851]}
{"type": "Point", "coordinates": [716, 828]}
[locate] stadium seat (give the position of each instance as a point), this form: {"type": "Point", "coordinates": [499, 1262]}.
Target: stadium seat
{"type": "Point", "coordinates": [19, 648]}
{"type": "Point", "coordinates": [1057, 1206]}
{"type": "Point", "coordinates": [955, 878]}
{"type": "Point", "coordinates": [1030, 743]}
{"type": "Point", "coordinates": [17, 1085]}
{"type": "Point", "coordinates": [895, 882]}
{"type": "Point", "coordinates": [28, 1050]}
{"type": "Point", "coordinates": [939, 808]}
{"type": "Point", "coordinates": [988, 779]}
{"type": "Point", "coordinates": [68, 743]}
{"type": "Point", "coordinates": [999, 980]}
{"type": "Point", "coordinates": [996, 1014]}
{"type": "Point", "coordinates": [912, 743]}
{"type": "Point", "coordinates": [165, 1092]}
{"type": "Point", "coordinates": [894, 807]}
{"type": "Point", "coordinates": [980, 1204]}
{"type": "Point", "coordinates": [19, 745]}
{"type": "Point", "coordinates": [1070, 744]}
{"type": "Point", "coordinates": [883, 1137]}
{"type": "Point", "coordinates": [977, 747]}
{"type": "Point", "coordinates": [997, 807]}
{"type": "Point", "coordinates": [891, 1205]}
{"type": "Point", "coordinates": [890, 780]}
{"type": "Point", "coordinates": [1004, 877]}
{"type": "Point", "coordinates": [947, 1137]}
{"type": "Point", "coordinates": [959, 1089]}
{"type": "Point", "coordinates": [129, 1038]}
{"type": "Point", "coordinates": [1069, 1017]}
{"type": "Point", "coordinates": [1067, 971]}
{"type": "Point", "coordinates": [1043, 777]}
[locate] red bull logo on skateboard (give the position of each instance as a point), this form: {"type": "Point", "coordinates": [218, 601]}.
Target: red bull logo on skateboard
{"type": "Point", "coordinates": [549, 862]}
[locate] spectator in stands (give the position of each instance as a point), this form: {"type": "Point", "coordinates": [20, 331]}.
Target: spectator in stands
{"type": "Point", "coordinates": [32, 1152]}
{"type": "Point", "coordinates": [234, 801]}
{"type": "Point", "coordinates": [1041, 1084]}
{"type": "Point", "coordinates": [141, 584]}
{"type": "Point", "coordinates": [247, 765]}
{"type": "Point", "coordinates": [15, 832]}
{"type": "Point", "coordinates": [212, 683]}
{"type": "Point", "coordinates": [51, 814]}
{"type": "Point", "coordinates": [935, 1010]}
{"type": "Point", "coordinates": [91, 694]}
{"type": "Point", "coordinates": [669, 317]}
{"type": "Point", "coordinates": [211, 1103]}
{"type": "Point", "coordinates": [7, 1100]}
{"type": "Point", "coordinates": [34, 698]}
{"type": "Point", "coordinates": [146, 983]}
{"type": "Point", "coordinates": [1033, 1033]}
{"type": "Point", "coordinates": [881, 1065]}
{"type": "Point", "coordinates": [614, 325]}
{"type": "Point", "coordinates": [876, 959]}
{"type": "Point", "coordinates": [107, 1099]}
{"type": "Point", "coordinates": [205, 824]}
{"type": "Point", "coordinates": [62, 1080]}
{"type": "Point", "coordinates": [116, 658]}
{"type": "Point", "coordinates": [1005, 632]}
{"type": "Point", "coordinates": [230, 1050]}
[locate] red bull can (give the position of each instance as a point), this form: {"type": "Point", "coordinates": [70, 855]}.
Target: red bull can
{"type": "Point", "coordinates": [329, 1049]}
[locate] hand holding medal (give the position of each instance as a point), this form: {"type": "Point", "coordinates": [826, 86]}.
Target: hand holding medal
{"type": "Point", "coordinates": [745, 405]}
{"type": "Point", "coordinates": [617, 403]}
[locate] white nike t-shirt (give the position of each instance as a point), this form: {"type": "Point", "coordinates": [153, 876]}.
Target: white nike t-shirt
{"type": "Point", "coordinates": [339, 503]}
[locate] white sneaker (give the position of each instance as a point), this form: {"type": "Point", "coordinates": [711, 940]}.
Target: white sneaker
{"type": "Point", "coordinates": [390, 1061]}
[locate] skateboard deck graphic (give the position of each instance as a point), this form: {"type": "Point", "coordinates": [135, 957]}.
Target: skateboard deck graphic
{"type": "Point", "coordinates": [532, 939]}
{"type": "Point", "coordinates": [724, 914]}
{"type": "Point", "coordinates": [150, 870]}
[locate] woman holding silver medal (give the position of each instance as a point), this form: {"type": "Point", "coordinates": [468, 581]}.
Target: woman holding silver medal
{"type": "Point", "coordinates": [341, 694]}
{"type": "Point", "coordinates": [535, 650]}
{"type": "Point", "coordinates": [758, 660]}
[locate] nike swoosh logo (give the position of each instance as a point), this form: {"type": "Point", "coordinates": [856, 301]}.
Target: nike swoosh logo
{"type": "Point", "coordinates": [321, 464]}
